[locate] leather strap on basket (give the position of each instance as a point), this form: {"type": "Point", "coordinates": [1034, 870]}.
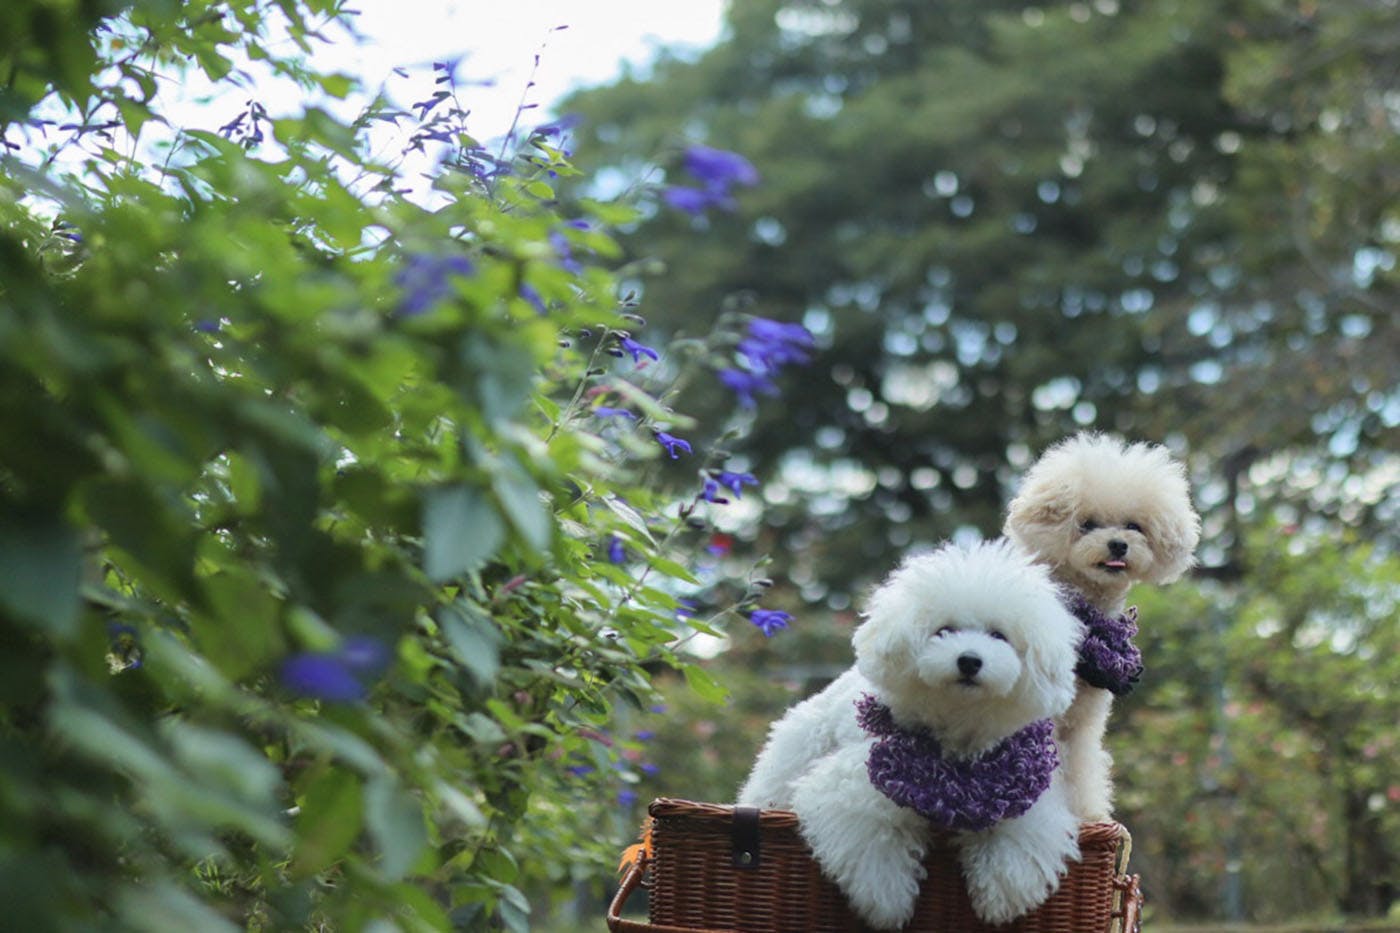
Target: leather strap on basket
{"type": "Point", "coordinates": [743, 838]}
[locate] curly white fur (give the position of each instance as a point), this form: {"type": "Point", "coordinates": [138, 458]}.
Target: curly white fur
{"type": "Point", "coordinates": [989, 601]}
{"type": "Point", "coordinates": [1102, 514]}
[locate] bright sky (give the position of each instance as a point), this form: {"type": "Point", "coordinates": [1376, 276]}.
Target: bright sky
{"type": "Point", "coordinates": [580, 42]}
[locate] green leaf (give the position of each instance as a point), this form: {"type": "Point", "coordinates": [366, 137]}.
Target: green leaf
{"type": "Point", "coordinates": [242, 632]}
{"type": "Point", "coordinates": [514, 910]}
{"type": "Point", "coordinates": [163, 907]}
{"type": "Point", "coordinates": [329, 821]}
{"type": "Point", "coordinates": [521, 501]}
{"type": "Point", "coordinates": [499, 865]}
{"type": "Point", "coordinates": [503, 374]}
{"type": "Point", "coordinates": [460, 805]}
{"type": "Point", "coordinates": [337, 85]}
{"type": "Point", "coordinates": [631, 516]}
{"type": "Point", "coordinates": [244, 483]}
{"type": "Point", "coordinates": [704, 684]}
{"type": "Point", "coordinates": [461, 530]}
{"type": "Point", "coordinates": [474, 640]}
{"type": "Point", "coordinates": [671, 568]}
{"type": "Point", "coordinates": [421, 905]}
{"type": "Point", "coordinates": [395, 822]}
{"type": "Point", "coordinates": [217, 758]}
{"type": "Point", "coordinates": [482, 729]}
{"type": "Point", "coordinates": [40, 564]}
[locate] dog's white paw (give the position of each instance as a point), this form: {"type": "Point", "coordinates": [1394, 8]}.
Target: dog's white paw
{"type": "Point", "coordinates": [997, 901]}
{"type": "Point", "coordinates": [890, 905]}
{"type": "Point", "coordinates": [1010, 873]}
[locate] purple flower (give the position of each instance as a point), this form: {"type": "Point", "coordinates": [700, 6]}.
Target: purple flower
{"type": "Point", "coordinates": [626, 797]}
{"type": "Point", "coordinates": [638, 350]}
{"type": "Point", "coordinates": [770, 345]}
{"type": "Point", "coordinates": [673, 445]}
{"type": "Point", "coordinates": [603, 411]}
{"type": "Point", "coordinates": [617, 554]}
{"type": "Point", "coordinates": [769, 621]}
{"type": "Point", "coordinates": [364, 654]}
{"type": "Point", "coordinates": [560, 126]}
{"type": "Point", "coordinates": [580, 770]}
{"type": "Point", "coordinates": [645, 735]}
{"type": "Point", "coordinates": [736, 481]}
{"type": "Point", "coordinates": [746, 385]}
{"type": "Point", "coordinates": [532, 296]}
{"type": "Point", "coordinates": [693, 200]}
{"type": "Point", "coordinates": [322, 676]}
{"type": "Point", "coordinates": [427, 279]}
{"type": "Point", "coordinates": [565, 251]}
{"type": "Point", "coordinates": [710, 493]}
{"type": "Point", "coordinates": [207, 325]}
{"type": "Point", "coordinates": [651, 769]}
{"type": "Point", "coordinates": [686, 610]}
{"type": "Point", "coordinates": [718, 168]}
{"type": "Point", "coordinates": [335, 676]}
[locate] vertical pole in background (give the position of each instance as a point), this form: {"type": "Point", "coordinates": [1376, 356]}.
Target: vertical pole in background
{"type": "Point", "coordinates": [1232, 883]}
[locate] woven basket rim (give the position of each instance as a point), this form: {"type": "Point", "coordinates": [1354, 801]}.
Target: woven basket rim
{"type": "Point", "coordinates": [1092, 834]}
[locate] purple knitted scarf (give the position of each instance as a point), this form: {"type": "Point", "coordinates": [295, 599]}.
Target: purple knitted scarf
{"type": "Point", "coordinates": [908, 766]}
{"type": "Point", "coordinates": [1108, 659]}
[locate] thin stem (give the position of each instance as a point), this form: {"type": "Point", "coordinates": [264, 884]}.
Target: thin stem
{"type": "Point", "coordinates": [583, 384]}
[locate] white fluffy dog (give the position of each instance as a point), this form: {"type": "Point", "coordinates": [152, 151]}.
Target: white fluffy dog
{"type": "Point", "coordinates": [965, 654]}
{"type": "Point", "coordinates": [1102, 515]}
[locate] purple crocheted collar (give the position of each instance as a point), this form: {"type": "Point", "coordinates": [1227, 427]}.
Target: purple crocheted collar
{"type": "Point", "coordinates": [1108, 659]}
{"type": "Point", "coordinates": [909, 767]}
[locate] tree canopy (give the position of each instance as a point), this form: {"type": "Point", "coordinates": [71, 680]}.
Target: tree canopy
{"type": "Point", "coordinates": [1007, 222]}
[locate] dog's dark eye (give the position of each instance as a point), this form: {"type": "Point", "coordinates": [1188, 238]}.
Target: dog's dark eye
{"type": "Point", "coordinates": [1132, 526]}
{"type": "Point", "coordinates": [1088, 525]}
{"type": "Point", "coordinates": [945, 630]}
{"type": "Point", "coordinates": [998, 635]}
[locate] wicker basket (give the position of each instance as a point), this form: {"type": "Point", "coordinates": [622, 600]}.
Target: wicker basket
{"type": "Point", "coordinates": [720, 869]}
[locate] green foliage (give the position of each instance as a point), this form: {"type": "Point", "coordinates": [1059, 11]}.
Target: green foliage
{"type": "Point", "coordinates": [304, 507]}
{"type": "Point", "coordinates": [1263, 744]}
{"type": "Point", "coordinates": [1007, 222]}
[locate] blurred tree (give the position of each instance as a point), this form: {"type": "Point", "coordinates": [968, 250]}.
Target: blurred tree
{"type": "Point", "coordinates": [1263, 743]}
{"type": "Point", "coordinates": [1006, 222]}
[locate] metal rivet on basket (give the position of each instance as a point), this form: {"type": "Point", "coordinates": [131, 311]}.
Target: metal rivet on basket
{"type": "Point", "coordinates": [744, 858]}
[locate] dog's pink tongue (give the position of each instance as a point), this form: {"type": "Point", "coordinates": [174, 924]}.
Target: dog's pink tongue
{"type": "Point", "coordinates": [1115, 564]}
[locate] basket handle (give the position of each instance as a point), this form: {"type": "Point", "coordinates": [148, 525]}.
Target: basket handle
{"type": "Point", "coordinates": [632, 880]}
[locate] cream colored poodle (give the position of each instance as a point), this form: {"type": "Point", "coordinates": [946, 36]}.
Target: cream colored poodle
{"type": "Point", "coordinates": [1103, 514]}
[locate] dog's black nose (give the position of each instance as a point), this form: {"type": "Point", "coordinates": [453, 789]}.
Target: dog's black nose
{"type": "Point", "coordinates": [1117, 548]}
{"type": "Point", "coordinates": [969, 664]}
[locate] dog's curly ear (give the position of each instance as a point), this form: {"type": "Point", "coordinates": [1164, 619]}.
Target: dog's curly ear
{"type": "Point", "coordinates": [1043, 502]}
{"type": "Point", "coordinates": [1051, 657]}
{"type": "Point", "coordinates": [881, 642]}
{"type": "Point", "coordinates": [1039, 520]}
{"type": "Point", "coordinates": [1174, 543]}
